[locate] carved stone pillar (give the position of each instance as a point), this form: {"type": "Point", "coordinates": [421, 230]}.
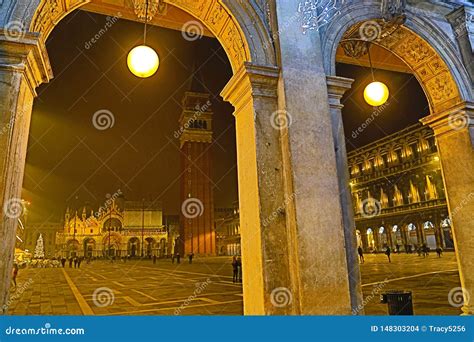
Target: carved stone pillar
{"type": "Point", "coordinates": [454, 129]}
{"type": "Point", "coordinates": [268, 280]}
{"type": "Point", "coordinates": [337, 86]}
{"type": "Point", "coordinates": [24, 65]}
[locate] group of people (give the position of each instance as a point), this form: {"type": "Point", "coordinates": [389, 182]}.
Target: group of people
{"type": "Point", "coordinates": [72, 260]}
{"type": "Point", "coordinates": [423, 250]}
{"type": "Point", "coordinates": [237, 270]}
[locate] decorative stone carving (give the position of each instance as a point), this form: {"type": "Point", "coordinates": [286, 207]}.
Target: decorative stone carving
{"type": "Point", "coordinates": [154, 7]}
{"type": "Point", "coordinates": [427, 65]}
{"type": "Point", "coordinates": [394, 11]}
{"type": "Point", "coordinates": [316, 13]}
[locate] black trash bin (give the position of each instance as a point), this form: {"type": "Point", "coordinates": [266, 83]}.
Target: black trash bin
{"type": "Point", "coordinates": [399, 302]}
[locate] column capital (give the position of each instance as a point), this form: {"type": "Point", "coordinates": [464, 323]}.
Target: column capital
{"type": "Point", "coordinates": [26, 54]}
{"type": "Point", "coordinates": [453, 120]}
{"type": "Point", "coordinates": [337, 87]}
{"type": "Point", "coordinates": [462, 21]}
{"type": "Point", "coordinates": [251, 80]}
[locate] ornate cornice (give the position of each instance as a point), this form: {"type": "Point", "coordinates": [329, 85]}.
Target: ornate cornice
{"type": "Point", "coordinates": [28, 55]}
{"type": "Point", "coordinates": [251, 80]}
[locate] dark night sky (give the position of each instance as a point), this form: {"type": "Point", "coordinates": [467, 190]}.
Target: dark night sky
{"type": "Point", "coordinates": [70, 162]}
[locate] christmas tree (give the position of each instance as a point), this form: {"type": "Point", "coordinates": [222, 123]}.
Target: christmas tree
{"type": "Point", "coordinates": [39, 250]}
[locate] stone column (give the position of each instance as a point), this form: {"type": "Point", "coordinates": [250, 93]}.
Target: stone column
{"type": "Point", "coordinates": [454, 131]}
{"type": "Point", "coordinates": [268, 278]}
{"type": "Point", "coordinates": [337, 86]}
{"type": "Point", "coordinates": [24, 65]}
{"type": "Point", "coordinates": [462, 22]}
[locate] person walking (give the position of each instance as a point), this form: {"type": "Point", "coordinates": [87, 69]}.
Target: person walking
{"type": "Point", "coordinates": [239, 269]}
{"type": "Point", "coordinates": [388, 251]}
{"type": "Point", "coordinates": [14, 273]}
{"type": "Point", "coordinates": [178, 258]}
{"type": "Point", "coordinates": [190, 256]}
{"type": "Point", "coordinates": [361, 254]}
{"type": "Point", "coordinates": [439, 251]}
{"type": "Point", "coordinates": [75, 262]}
{"type": "Point", "coordinates": [79, 260]}
{"type": "Point", "coordinates": [70, 262]}
{"type": "Point", "coordinates": [235, 270]}
{"type": "Point", "coordinates": [63, 261]}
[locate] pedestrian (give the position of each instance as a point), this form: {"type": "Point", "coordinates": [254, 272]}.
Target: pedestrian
{"type": "Point", "coordinates": [387, 253]}
{"type": "Point", "coordinates": [239, 269]}
{"type": "Point", "coordinates": [79, 260]}
{"type": "Point", "coordinates": [235, 270]}
{"type": "Point", "coordinates": [398, 248]}
{"type": "Point", "coordinates": [70, 262]}
{"type": "Point", "coordinates": [439, 251]}
{"type": "Point", "coordinates": [75, 262]}
{"type": "Point", "coordinates": [178, 258]}
{"type": "Point", "coordinates": [426, 250]}
{"type": "Point", "coordinates": [63, 261]}
{"type": "Point", "coordinates": [361, 254]}
{"type": "Point", "coordinates": [14, 273]}
{"type": "Point", "coordinates": [154, 258]}
{"type": "Point", "coordinates": [190, 257]}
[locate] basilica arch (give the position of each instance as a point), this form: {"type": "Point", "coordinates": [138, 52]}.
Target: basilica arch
{"type": "Point", "coordinates": [431, 55]}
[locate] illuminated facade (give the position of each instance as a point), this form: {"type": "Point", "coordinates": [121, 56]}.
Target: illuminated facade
{"type": "Point", "coordinates": [398, 192]}
{"type": "Point", "coordinates": [136, 229]}
{"type": "Point", "coordinates": [228, 232]}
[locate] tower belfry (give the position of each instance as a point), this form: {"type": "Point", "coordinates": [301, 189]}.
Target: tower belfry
{"type": "Point", "coordinates": [197, 211]}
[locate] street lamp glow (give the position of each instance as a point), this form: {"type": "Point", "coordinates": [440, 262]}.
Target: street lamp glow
{"type": "Point", "coordinates": [376, 94]}
{"type": "Point", "coordinates": [143, 61]}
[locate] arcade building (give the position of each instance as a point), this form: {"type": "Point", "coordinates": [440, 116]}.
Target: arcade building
{"type": "Point", "coordinates": [398, 193]}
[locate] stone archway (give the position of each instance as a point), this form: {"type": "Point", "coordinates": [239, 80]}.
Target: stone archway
{"type": "Point", "coordinates": [426, 50]}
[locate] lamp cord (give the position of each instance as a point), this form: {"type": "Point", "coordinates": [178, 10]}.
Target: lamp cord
{"type": "Point", "coordinates": [146, 20]}
{"type": "Point", "coordinates": [370, 62]}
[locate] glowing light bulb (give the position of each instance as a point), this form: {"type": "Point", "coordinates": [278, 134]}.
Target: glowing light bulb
{"type": "Point", "coordinates": [143, 61]}
{"type": "Point", "coordinates": [376, 94]}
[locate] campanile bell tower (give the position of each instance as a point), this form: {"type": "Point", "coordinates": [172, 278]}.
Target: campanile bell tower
{"type": "Point", "coordinates": [197, 210]}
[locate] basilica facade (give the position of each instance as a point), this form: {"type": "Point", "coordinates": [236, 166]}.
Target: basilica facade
{"type": "Point", "coordinates": [131, 228]}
